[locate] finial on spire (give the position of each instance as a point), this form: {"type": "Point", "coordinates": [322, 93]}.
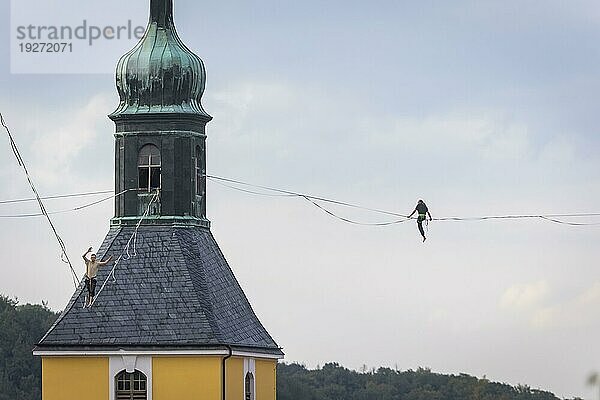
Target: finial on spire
{"type": "Point", "coordinates": [161, 12]}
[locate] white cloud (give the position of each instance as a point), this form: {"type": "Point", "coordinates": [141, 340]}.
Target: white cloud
{"type": "Point", "coordinates": [61, 148]}
{"type": "Point", "coordinates": [281, 117]}
{"type": "Point", "coordinates": [525, 296]}
{"type": "Point", "coordinates": [543, 309]}
{"type": "Point", "coordinates": [481, 133]}
{"type": "Point", "coordinates": [64, 138]}
{"type": "Point", "coordinates": [580, 311]}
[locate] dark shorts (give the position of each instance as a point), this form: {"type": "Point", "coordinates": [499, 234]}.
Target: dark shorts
{"type": "Point", "coordinates": [90, 284]}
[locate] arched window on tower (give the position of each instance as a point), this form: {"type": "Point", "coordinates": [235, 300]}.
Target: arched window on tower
{"type": "Point", "coordinates": [149, 164]}
{"type": "Point", "coordinates": [131, 386]}
{"type": "Point", "coordinates": [198, 171]}
{"type": "Point", "coordinates": [249, 386]}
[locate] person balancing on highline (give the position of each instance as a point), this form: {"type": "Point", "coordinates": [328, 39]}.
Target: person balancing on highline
{"type": "Point", "coordinates": [91, 270]}
{"type": "Point", "coordinates": [423, 212]}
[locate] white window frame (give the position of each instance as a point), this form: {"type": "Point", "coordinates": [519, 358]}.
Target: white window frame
{"type": "Point", "coordinates": [129, 363]}
{"type": "Point", "coordinates": [250, 366]}
{"type": "Point", "coordinates": [149, 166]}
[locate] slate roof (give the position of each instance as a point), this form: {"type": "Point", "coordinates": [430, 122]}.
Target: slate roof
{"type": "Point", "coordinates": [177, 290]}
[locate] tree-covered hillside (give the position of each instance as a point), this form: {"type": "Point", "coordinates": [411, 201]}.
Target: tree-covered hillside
{"type": "Point", "coordinates": [334, 382]}
{"type": "Point", "coordinates": [21, 326]}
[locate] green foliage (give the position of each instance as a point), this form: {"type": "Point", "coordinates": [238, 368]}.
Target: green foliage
{"type": "Point", "coordinates": [21, 327]}
{"type": "Point", "coordinates": [333, 382]}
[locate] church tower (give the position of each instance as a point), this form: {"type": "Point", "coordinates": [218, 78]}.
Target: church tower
{"type": "Point", "coordinates": [161, 126]}
{"type": "Point", "coordinates": [169, 320]}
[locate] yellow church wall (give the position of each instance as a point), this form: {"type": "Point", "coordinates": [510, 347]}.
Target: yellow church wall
{"type": "Point", "coordinates": [74, 378]}
{"type": "Point", "coordinates": [186, 378]}
{"type": "Point", "coordinates": [235, 378]}
{"type": "Point", "coordinates": [266, 371]}
{"type": "Point", "coordinates": [172, 378]}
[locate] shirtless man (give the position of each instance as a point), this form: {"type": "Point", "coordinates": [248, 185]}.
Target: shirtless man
{"type": "Point", "coordinates": [91, 270]}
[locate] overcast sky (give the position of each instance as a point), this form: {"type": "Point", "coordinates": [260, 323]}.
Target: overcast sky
{"type": "Point", "coordinates": [478, 107]}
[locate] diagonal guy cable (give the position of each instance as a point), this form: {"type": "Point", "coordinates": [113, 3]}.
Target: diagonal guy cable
{"type": "Point", "coordinates": [132, 238]}
{"type": "Point", "coordinates": [69, 209]}
{"type": "Point", "coordinates": [61, 196]}
{"type": "Point", "coordinates": [64, 255]}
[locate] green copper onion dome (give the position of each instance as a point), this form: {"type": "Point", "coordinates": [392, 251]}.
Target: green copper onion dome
{"type": "Point", "coordinates": [160, 75]}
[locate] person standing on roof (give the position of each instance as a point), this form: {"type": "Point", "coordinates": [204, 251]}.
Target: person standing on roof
{"type": "Point", "coordinates": [423, 212]}
{"type": "Point", "coordinates": [91, 270]}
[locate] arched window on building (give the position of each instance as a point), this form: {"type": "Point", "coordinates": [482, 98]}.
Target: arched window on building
{"type": "Point", "coordinates": [131, 386]}
{"type": "Point", "coordinates": [198, 173]}
{"type": "Point", "coordinates": [149, 168]}
{"type": "Point", "coordinates": [249, 387]}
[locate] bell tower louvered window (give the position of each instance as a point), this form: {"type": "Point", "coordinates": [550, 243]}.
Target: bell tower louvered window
{"type": "Point", "coordinates": [131, 386]}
